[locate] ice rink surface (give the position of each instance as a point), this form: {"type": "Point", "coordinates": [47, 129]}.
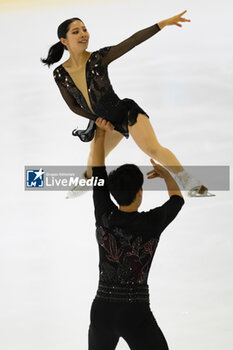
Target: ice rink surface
{"type": "Point", "coordinates": [183, 78]}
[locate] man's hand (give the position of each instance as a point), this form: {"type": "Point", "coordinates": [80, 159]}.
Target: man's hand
{"type": "Point", "coordinates": [104, 124]}
{"type": "Point", "coordinates": [174, 20]}
{"type": "Point", "coordinates": [158, 171]}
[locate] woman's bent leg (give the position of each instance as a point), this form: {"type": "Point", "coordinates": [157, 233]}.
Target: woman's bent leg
{"type": "Point", "coordinates": [112, 138]}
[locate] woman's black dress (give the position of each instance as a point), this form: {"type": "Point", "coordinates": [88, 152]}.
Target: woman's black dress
{"type": "Point", "coordinates": [104, 102]}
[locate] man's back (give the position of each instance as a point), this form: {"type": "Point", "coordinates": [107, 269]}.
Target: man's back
{"type": "Point", "coordinates": [128, 240]}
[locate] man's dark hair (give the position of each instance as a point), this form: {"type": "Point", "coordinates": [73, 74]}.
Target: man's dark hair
{"type": "Point", "coordinates": [124, 183]}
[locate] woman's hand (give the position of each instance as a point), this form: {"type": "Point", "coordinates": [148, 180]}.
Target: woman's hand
{"type": "Point", "coordinates": [104, 124]}
{"type": "Point", "coordinates": [174, 20]}
{"type": "Point", "coordinates": [158, 171]}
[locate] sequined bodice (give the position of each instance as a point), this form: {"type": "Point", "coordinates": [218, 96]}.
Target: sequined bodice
{"type": "Point", "coordinates": [102, 98]}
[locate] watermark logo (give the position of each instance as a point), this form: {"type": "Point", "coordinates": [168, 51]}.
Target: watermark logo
{"type": "Point", "coordinates": [35, 178]}
{"type": "Point", "coordinates": [65, 178]}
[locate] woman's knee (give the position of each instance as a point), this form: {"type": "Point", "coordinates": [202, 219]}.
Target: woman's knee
{"type": "Point", "coordinates": [155, 150]}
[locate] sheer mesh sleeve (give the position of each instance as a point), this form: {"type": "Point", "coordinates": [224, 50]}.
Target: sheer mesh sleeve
{"type": "Point", "coordinates": [128, 44]}
{"type": "Point", "coordinates": [73, 104]}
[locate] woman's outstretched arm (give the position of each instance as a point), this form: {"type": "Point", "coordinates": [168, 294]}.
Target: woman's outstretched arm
{"type": "Point", "coordinates": [139, 37]}
{"type": "Point", "coordinates": [128, 44]}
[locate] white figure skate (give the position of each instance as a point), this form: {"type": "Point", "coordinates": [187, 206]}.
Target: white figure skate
{"type": "Point", "coordinates": [192, 185]}
{"type": "Point", "coordinates": [78, 190]}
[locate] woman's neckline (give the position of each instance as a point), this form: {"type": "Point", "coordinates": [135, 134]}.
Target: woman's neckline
{"type": "Point", "coordinates": [84, 66]}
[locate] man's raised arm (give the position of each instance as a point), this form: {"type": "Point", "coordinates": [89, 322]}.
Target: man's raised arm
{"type": "Point", "coordinates": [101, 196]}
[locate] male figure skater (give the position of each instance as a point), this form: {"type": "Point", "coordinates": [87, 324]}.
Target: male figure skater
{"type": "Point", "coordinates": [127, 241]}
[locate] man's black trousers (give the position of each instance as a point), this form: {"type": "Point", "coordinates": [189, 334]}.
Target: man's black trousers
{"type": "Point", "coordinates": [134, 322]}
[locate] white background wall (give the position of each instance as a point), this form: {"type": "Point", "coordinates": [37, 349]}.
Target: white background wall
{"type": "Point", "coordinates": [183, 78]}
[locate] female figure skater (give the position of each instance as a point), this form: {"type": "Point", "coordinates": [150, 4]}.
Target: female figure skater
{"type": "Point", "coordinates": [84, 84]}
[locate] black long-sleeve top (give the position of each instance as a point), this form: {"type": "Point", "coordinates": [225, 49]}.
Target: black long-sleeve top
{"type": "Point", "coordinates": [127, 240]}
{"type": "Point", "coordinates": [104, 101]}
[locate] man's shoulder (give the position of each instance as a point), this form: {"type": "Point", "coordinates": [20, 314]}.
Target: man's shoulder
{"type": "Point", "coordinates": [174, 200]}
{"type": "Point", "coordinates": [177, 199]}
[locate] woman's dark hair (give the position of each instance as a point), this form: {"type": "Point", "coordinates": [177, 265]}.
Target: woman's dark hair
{"type": "Point", "coordinates": [56, 51]}
{"type": "Point", "coordinates": [124, 183]}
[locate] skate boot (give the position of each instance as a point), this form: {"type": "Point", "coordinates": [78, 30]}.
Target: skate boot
{"type": "Point", "coordinates": [78, 190]}
{"type": "Point", "coordinates": [192, 185]}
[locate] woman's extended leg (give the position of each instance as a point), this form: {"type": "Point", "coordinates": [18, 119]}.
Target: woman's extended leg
{"type": "Point", "coordinates": [144, 136]}
{"type": "Point", "coordinates": [112, 138]}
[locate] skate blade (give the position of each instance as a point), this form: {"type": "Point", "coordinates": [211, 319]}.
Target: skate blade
{"type": "Point", "coordinates": [200, 191]}
{"type": "Point", "coordinates": [196, 194]}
